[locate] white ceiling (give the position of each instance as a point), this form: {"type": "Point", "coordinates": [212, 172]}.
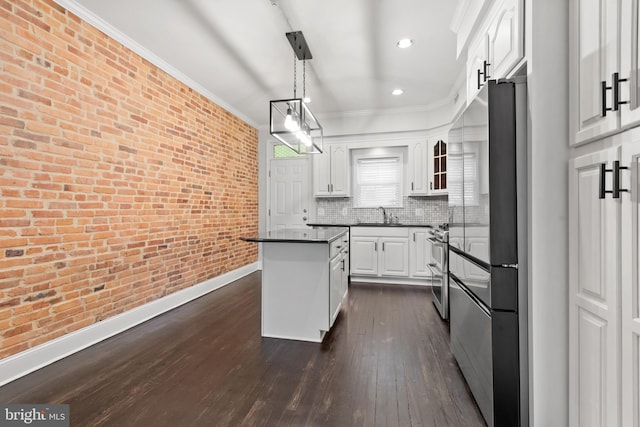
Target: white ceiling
{"type": "Point", "coordinates": [237, 50]}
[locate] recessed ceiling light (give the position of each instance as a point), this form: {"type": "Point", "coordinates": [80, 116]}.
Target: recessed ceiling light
{"type": "Point", "coordinates": [397, 92]}
{"type": "Point", "coordinates": [404, 43]}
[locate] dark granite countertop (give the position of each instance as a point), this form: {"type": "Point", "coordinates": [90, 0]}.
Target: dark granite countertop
{"type": "Point", "coordinates": [297, 235]}
{"type": "Point", "coordinates": [370, 224]}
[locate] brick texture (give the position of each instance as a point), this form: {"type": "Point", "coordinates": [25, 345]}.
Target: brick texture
{"type": "Point", "coordinates": [118, 184]}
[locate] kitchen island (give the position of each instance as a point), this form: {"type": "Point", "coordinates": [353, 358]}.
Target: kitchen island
{"type": "Point", "coordinates": [304, 281]}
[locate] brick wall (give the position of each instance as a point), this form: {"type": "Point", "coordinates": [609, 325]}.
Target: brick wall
{"type": "Point", "coordinates": [119, 184]}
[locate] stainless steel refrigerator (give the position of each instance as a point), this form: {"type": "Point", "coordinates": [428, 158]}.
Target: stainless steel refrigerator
{"type": "Point", "coordinates": [488, 251]}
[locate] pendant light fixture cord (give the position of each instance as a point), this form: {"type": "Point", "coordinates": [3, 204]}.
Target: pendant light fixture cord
{"type": "Point", "coordinates": [294, 76]}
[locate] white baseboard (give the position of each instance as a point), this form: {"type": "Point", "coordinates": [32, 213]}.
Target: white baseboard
{"type": "Point", "coordinates": [391, 280]}
{"type": "Point", "coordinates": [18, 365]}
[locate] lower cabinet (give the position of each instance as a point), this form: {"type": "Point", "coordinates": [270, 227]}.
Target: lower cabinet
{"type": "Point", "coordinates": [338, 279]}
{"type": "Point", "coordinates": [419, 255]}
{"type": "Point", "coordinates": [380, 251]}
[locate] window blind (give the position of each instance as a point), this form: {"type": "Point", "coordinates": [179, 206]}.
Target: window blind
{"type": "Point", "coordinates": [378, 182]}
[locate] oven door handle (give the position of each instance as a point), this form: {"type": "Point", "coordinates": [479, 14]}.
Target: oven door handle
{"type": "Point", "coordinates": [435, 270]}
{"type": "Point", "coordinates": [434, 240]}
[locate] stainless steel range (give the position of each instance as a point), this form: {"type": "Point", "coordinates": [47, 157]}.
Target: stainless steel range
{"type": "Point", "coordinates": [438, 242]}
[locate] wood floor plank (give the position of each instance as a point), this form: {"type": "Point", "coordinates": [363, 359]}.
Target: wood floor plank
{"type": "Point", "coordinates": [386, 362]}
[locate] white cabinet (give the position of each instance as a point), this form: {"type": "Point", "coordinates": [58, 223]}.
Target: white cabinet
{"type": "Point", "coordinates": [331, 172]}
{"type": "Point", "coordinates": [594, 292]}
{"type": "Point", "coordinates": [427, 172]}
{"type": "Point", "coordinates": [498, 46]}
{"type": "Point", "coordinates": [394, 257]}
{"type": "Point", "coordinates": [418, 169]}
{"type": "Point", "coordinates": [594, 60]}
{"type": "Point", "coordinates": [338, 276]}
{"type": "Point", "coordinates": [506, 43]}
{"type": "Point", "coordinates": [364, 255]}
{"type": "Point", "coordinates": [418, 253]}
{"type": "Point", "coordinates": [477, 66]}
{"type": "Point", "coordinates": [437, 160]}
{"type": "Point", "coordinates": [630, 292]}
{"type": "Point", "coordinates": [380, 251]}
{"type": "Point", "coordinates": [605, 65]}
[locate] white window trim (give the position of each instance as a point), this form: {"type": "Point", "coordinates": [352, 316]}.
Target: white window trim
{"type": "Point", "coordinates": [379, 153]}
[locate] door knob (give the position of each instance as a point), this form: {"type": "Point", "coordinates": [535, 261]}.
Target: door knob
{"type": "Point", "coordinates": [304, 218]}
{"type": "Point", "coordinates": [304, 211]}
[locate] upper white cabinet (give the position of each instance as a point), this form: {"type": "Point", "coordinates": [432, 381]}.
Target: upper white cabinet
{"type": "Point", "coordinates": [477, 66]}
{"type": "Point", "coordinates": [418, 169]}
{"type": "Point", "coordinates": [427, 174]}
{"type": "Point", "coordinates": [605, 91]}
{"type": "Point", "coordinates": [594, 60]}
{"type": "Point", "coordinates": [331, 172]}
{"type": "Point", "coordinates": [497, 47]}
{"type": "Point", "coordinates": [437, 160]}
{"type": "Point", "coordinates": [505, 37]}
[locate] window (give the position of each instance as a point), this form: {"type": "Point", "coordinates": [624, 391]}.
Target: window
{"type": "Point", "coordinates": [378, 180]}
{"type": "Point", "coordinates": [281, 151]}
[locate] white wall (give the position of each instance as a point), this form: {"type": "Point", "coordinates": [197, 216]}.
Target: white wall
{"type": "Point", "coordinates": [547, 67]}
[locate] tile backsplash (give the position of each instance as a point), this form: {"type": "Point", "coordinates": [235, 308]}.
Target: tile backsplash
{"type": "Point", "coordinates": [417, 210]}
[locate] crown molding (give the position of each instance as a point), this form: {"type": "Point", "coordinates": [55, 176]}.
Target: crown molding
{"type": "Point", "coordinates": [102, 25]}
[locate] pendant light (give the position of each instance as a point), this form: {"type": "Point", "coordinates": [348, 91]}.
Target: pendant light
{"type": "Point", "coordinates": [291, 120]}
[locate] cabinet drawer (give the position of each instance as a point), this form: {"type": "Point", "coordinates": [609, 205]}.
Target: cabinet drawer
{"type": "Point", "coordinates": [338, 245]}
{"type": "Point", "coordinates": [380, 231]}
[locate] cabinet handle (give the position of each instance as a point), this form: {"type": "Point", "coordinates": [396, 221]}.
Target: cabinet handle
{"type": "Point", "coordinates": [615, 188]}
{"type": "Point", "coordinates": [603, 95]}
{"type": "Point", "coordinates": [485, 67]}
{"type": "Point", "coordinates": [615, 77]}
{"type": "Point", "coordinates": [375, 246]}
{"type": "Point", "coordinates": [382, 246]}
{"type": "Point", "coordinates": [342, 265]}
{"type": "Point", "coordinates": [431, 185]}
{"type": "Point", "coordinates": [414, 236]}
{"type": "Point", "coordinates": [328, 188]}
{"type": "Point", "coordinates": [478, 77]}
{"type": "Point", "coordinates": [412, 186]}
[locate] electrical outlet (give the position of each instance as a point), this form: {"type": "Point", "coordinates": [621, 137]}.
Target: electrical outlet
{"type": "Point", "coordinates": [419, 212]}
{"type": "Point", "coordinates": [320, 211]}
{"type": "Point", "coordinates": [344, 212]}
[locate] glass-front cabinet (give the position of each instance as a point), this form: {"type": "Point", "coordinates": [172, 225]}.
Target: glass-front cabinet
{"type": "Point", "coordinates": [438, 164]}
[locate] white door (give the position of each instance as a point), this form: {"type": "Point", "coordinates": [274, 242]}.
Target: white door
{"type": "Point", "coordinates": [339, 170]}
{"type": "Point", "coordinates": [364, 255]}
{"type": "Point", "coordinates": [289, 193]}
{"type": "Point", "coordinates": [418, 168]}
{"type": "Point", "coordinates": [630, 61]}
{"type": "Point", "coordinates": [630, 287]}
{"type": "Point", "coordinates": [394, 258]}
{"type": "Point", "coordinates": [321, 171]}
{"type": "Point", "coordinates": [477, 56]}
{"type": "Point", "coordinates": [597, 49]}
{"type": "Point", "coordinates": [506, 45]}
{"type": "Point", "coordinates": [418, 256]}
{"type": "Point", "coordinates": [594, 284]}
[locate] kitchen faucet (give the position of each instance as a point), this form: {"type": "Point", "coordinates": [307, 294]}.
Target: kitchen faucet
{"type": "Point", "coordinates": [384, 215]}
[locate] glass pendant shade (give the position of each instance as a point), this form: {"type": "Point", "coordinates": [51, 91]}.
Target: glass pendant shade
{"type": "Point", "coordinates": [293, 124]}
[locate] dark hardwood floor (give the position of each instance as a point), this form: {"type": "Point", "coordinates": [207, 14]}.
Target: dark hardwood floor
{"type": "Point", "coordinates": [386, 362]}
